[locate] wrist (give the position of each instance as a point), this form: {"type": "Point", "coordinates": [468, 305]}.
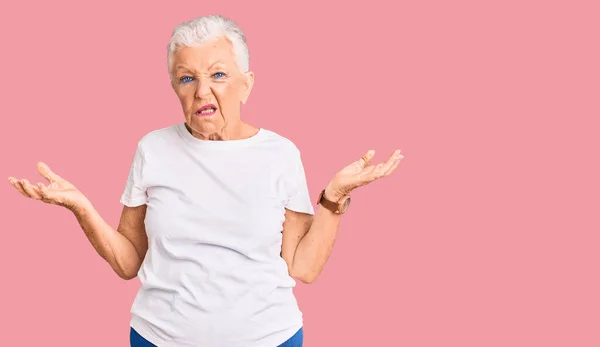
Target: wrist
{"type": "Point", "coordinates": [334, 200]}
{"type": "Point", "coordinates": [333, 194]}
{"type": "Point", "coordinates": [81, 208]}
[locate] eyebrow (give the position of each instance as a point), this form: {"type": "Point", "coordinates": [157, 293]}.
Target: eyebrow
{"type": "Point", "coordinates": [218, 62]}
{"type": "Point", "coordinates": [184, 67]}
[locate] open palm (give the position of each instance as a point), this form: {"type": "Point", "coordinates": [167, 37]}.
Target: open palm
{"type": "Point", "coordinates": [58, 192]}
{"type": "Point", "coordinates": [360, 173]}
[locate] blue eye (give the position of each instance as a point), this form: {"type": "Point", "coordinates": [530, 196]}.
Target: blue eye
{"type": "Point", "coordinates": [185, 79]}
{"type": "Point", "coordinates": [219, 75]}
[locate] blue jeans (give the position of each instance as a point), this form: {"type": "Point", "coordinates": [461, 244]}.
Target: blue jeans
{"type": "Point", "coordinates": [136, 340]}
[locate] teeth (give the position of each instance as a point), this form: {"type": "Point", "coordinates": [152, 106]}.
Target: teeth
{"type": "Point", "coordinates": [208, 110]}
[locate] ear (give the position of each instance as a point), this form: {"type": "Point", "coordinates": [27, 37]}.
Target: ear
{"type": "Point", "coordinates": [248, 84]}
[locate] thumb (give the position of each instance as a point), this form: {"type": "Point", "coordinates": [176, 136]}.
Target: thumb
{"type": "Point", "coordinates": [365, 160]}
{"type": "Point", "coordinates": [47, 173]}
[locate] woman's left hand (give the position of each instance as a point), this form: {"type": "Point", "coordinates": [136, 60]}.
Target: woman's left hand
{"type": "Point", "coordinates": [360, 173]}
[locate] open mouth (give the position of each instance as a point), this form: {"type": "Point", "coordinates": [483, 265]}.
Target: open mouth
{"type": "Point", "coordinates": [206, 110]}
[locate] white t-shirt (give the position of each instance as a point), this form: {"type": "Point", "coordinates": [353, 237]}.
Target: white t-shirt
{"type": "Point", "coordinates": [213, 274]}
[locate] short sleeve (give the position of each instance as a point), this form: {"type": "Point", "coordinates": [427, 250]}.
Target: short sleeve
{"type": "Point", "coordinates": [298, 196]}
{"type": "Point", "coordinates": [135, 192]}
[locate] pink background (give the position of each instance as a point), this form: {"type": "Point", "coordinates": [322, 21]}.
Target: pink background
{"type": "Point", "coordinates": [486, 235]}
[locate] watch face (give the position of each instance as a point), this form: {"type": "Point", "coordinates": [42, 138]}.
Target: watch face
{"type": "Point", "coordinates": [345, 205]}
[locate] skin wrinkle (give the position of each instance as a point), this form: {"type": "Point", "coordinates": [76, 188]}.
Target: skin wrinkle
{"type": "Point", "coordinates": [307, 240]}
{"type": "Point", "coordinates": [212, 77]}
{"type": "Point", "coordinates": [223, 136]}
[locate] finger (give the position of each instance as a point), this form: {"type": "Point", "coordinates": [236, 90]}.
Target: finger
{"type": "Point", "coordinates": [371, 173]}
{"type": "Point", "coordinates": [47, 173]}
{"type": "Point", "coordinates": [45, 193]}
{"type": "Point", "coordinates": [376, 171]}
{"type": "Point", "coordinates": [392, 162]}
{"type": "Point", "coordinates": [365, 160]}
{"type": "Point", "coordinates": [31, 190]}
{"type": "Point", "coordinates": [15, 183]}
{"type": "Point", "coordinates": [19, 188]}
{"type": "Point", "coordinates": [394, 166]}
{"type": "Point", "coordinates": [12, 181]}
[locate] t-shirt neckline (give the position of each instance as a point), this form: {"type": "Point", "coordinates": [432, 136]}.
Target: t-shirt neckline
{"type": "Point", "coordinates": [194, 141]}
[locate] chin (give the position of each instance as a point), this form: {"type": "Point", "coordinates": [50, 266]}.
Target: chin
{"type": "Point", "coordinates": [202, 124]}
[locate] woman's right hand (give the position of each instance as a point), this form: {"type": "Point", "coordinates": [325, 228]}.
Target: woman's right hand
{"type": "Point", "coordinates": [59, 192]}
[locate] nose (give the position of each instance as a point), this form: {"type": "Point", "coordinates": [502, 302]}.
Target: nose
{"type": "Point", "coordinates": [203, 87]}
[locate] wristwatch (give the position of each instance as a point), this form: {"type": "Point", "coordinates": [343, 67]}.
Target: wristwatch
{"type": "Point", "coordinates": [339, 207]}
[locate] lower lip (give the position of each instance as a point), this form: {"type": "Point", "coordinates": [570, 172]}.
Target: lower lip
{"type": "Point", "coordinates": [202, 114]}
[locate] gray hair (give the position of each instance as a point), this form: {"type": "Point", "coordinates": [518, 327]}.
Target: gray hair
{"type": "Point", "coordinates": [197, 31]}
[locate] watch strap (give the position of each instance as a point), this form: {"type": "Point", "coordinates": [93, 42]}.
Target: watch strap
{"type": "Point", "coordinates": [328, 204]}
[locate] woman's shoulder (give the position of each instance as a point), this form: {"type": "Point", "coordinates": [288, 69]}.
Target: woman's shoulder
{"type": "Point", "coordinates": [280, 141]}
{"type": "Point", "coordinates": [154, 140]}
{"type": "Point", "coordinates": [159, 135]}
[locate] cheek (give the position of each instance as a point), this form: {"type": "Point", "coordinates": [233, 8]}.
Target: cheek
{"type": "Point", "coordinates": [226, 94]}
{"type": "Point", "coordinates": [186, 97]}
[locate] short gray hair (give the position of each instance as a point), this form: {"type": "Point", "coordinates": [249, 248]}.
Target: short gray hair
{"type": "Point", "coordinates": [197, 31]}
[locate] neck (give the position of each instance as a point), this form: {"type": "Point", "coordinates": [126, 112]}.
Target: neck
{"type": "Point", "coordinates": [237, 131]}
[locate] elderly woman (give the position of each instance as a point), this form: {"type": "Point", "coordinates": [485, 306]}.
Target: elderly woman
{"type": "Point", "coordinates": [217, 219]}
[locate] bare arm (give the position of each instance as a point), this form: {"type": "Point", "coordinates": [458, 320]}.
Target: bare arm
{"type": "Point", "coordinates": [123, 248]}
{"type": "Point", "coordinates": [308, 242]}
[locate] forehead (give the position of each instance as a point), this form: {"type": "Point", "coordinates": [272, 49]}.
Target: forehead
{"type": "Point", "coordinates": [201, 57]}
